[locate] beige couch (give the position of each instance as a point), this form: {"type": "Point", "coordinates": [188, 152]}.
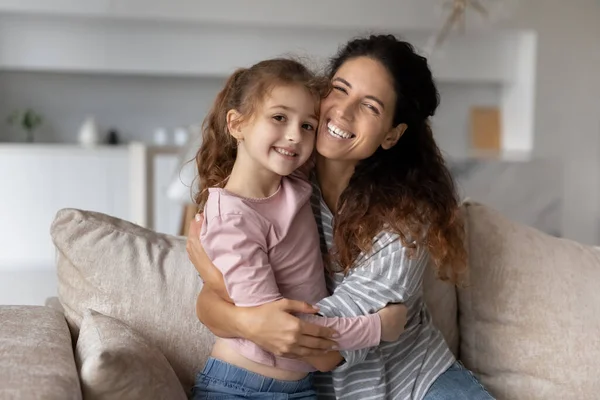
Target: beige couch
{"type": "Point", "coordinates": [528, 325]}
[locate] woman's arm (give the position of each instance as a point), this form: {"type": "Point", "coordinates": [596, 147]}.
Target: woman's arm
{"type": "Point", "coordinates": [220, 316]}
{"type": "Point", "coordinates": [271, 326]}
{"type": "Point", "coordinates": [250, 279]}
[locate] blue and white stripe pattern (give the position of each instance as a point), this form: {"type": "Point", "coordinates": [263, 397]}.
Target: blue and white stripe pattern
{"type": "Point", "coordinates": [404, 369]}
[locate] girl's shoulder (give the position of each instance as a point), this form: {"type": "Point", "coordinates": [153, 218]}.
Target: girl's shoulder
{"type": "Point", "coordinates": [226, 207]}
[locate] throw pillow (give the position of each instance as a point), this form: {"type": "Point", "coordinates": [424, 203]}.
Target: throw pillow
{"type": "Point", "coordinates": [116, 362]}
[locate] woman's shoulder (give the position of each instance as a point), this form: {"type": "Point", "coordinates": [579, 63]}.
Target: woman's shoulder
{"type": "Point", "coordinates": [388, 243]}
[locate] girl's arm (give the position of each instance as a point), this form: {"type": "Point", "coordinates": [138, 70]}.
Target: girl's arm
{"type": "Point", "coordinates": [392, 274]}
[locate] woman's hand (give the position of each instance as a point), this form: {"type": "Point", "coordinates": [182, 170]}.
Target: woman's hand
{"type": "Point", "coordinates": [211, 276]}
{"type": "Point", "coordinates": [393, 321]}
{"type": "Point", "coordinates": [273, 327]}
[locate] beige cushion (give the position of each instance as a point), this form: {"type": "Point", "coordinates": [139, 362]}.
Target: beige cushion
{"type": "Point", "coordinates": [116, 362]}
{"type": "Point", "coordinates": [36, 355]}
{"type": "Point", "coordinates": [442, 303]}
{"type": "Point", "coordinates": [135, 275]}
{"type": "Point", "coordinates": [530, 320]}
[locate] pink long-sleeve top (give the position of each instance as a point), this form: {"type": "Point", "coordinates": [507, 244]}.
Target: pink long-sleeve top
{"type": "Point", "coordinates": [268, 249]}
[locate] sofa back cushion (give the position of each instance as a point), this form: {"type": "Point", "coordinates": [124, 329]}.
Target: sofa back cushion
{"type": "Point", "coordinates": [135, 275]}
{"type": "Point", "coordinates": [442, 303]}
{"type": "Point", "coordinates": [530, 318]}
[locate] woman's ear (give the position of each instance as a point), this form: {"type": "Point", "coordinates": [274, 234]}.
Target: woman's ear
{"type": "Point", "coordinates": [234, 125]}
{"type": "Point", "coordinates": [393, 136]}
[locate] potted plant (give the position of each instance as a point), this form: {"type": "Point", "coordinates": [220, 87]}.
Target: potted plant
{"type": "Point", "coordinates": [27, 120]}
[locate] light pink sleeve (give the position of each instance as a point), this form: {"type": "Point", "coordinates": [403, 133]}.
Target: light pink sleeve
{"type": "Point", "coordinates": [355, 333]}
{"type": "Point", "coordinates": [236, 244]}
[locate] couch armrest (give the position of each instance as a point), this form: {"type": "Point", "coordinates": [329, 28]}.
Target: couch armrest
{"type": "Point", "coordinates": [36, 351]}
{"type": "Point", "coordinates": [54, 302]}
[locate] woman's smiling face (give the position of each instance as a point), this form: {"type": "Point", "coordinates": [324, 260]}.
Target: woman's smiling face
{"type": "Point", "coordinates": [356, 117]}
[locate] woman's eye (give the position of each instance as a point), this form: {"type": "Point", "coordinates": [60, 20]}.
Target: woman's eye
{"type": "Point", "coordinates": [340, 89]}
{"type": "Point", "coordinates": [372, 108]}
{"type": "Point", "coordinates": [279, 118]}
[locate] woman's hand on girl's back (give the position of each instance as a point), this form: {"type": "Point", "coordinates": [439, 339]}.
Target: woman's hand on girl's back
{"type": "Point", "coordinates": [274, 328]}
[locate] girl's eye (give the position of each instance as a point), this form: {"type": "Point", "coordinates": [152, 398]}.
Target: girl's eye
{"type": "Point", "coordinates": [279, 118]}
{"type": "Point", "coordinates": [340, 89]}
{"type": "Point", "coordinates": [308, 127]}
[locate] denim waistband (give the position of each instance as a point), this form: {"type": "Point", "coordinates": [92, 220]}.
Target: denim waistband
{"type": "Point", "coordinates": [220, 370]}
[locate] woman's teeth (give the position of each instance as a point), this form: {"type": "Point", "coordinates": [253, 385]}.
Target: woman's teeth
{"type": "Point", "coordinates": [337, 132]}
{"type": "Point", "coordinates": [284, 152]}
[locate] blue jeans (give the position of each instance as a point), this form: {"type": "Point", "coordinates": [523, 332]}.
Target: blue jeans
{"type": "Point", "coordinates": [220, 380]}
{"type": "Point", "coordinates": [457, 383]}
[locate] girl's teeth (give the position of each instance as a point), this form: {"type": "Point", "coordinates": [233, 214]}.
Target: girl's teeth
{"type": "Point", "coordinates": [284, 152]}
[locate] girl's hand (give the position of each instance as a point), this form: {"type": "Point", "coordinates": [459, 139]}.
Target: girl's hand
{"type": "Point", "coordinates": [273, 327]}
{"type": "Point", "coordinates": [211, 276]}
{"type": "Point", "coordinates": [393, 320]}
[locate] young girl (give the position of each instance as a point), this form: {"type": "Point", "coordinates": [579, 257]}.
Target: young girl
{"type": "Point", "coordinates": [259, 231]}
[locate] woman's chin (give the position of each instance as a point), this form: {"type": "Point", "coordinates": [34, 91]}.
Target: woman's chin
{"type": "Point", "coordinates": [328, 152]}
{"type": "Point", "coordinates": [329, 147]}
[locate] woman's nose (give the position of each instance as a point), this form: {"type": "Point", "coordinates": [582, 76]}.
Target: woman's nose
{"type": "Point", "coordinates": [345, 111]}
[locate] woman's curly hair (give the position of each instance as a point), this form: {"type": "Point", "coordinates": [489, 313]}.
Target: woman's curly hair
{"type": "Point", "coordinates": [408, 188]}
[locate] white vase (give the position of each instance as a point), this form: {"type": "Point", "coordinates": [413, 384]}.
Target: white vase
{"type": "Point", "coordinates": [89, 134]}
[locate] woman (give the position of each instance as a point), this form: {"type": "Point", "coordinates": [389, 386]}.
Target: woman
{"type": "Point", "coordinates": [380, 173]}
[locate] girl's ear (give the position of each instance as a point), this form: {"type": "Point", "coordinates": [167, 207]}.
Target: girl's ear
{"type": "Point", "coordinates": [234, 124]}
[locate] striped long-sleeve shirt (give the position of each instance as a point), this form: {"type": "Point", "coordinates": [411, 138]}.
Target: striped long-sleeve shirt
{"type": "Point", "coordinates": [404, 369]}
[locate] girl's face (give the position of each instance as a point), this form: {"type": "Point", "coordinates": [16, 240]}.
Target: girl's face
{"type": "Point", "coordinates": [356, 117]}
{"type": "Point", "coordinates": [280, 136]}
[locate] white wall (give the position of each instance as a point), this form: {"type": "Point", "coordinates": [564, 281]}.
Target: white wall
{"type": "Point", "coordinates": [137, 105]}
{"type": "Point", "coordinates": [567, 123]}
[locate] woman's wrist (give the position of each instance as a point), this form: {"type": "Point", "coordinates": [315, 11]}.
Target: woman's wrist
{"type": "Point", "coordinates": [242, 322]}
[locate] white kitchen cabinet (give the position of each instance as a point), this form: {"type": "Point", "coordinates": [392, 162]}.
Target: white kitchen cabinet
{"type": "Point", "coordinates": [38, 180]}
